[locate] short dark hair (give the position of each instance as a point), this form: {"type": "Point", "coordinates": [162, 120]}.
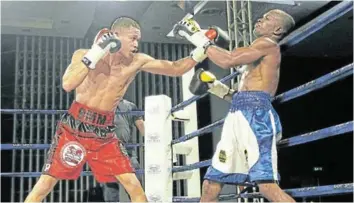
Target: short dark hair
{"type": "Point", "coordinates": [125, 22]}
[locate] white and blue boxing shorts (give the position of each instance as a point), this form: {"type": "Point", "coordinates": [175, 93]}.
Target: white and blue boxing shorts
{"type": "Point", "coordinates": [247, 150]}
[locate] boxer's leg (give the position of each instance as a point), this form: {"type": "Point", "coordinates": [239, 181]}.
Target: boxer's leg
{"type": "Point", "coordinates": [65, 160]}
{"type": "Point", "coordinates": [41, 189]}
{"type": "Point", "coordinates": [228, 163]}
{"type": "Point", "coordinates": [260, 141]}
{"type": "Point", "coordinates": [274, 193]}
{"type": "Point", "coordinates": [132, 185]}
{"type": "Point", "coordinates": [112, 163]}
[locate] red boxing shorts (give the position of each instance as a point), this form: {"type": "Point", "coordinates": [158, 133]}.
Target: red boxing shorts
{"type": "Point", "coordinates": [86, 135]}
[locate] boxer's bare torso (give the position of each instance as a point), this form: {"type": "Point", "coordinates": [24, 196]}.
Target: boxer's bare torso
{"type": "Point", "coordinates": [263, 74]}
{"type": "Point", "coordinates": [105, 86]}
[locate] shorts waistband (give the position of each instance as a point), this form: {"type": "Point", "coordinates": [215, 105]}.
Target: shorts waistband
{"type": "Point", "coordinates": [91, 116]}
{"type": "Point", "coordinates": [250, 99]}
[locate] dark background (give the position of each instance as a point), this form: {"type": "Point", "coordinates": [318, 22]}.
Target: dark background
{"type": "Point", "coordinates": [323, 108]}
{"type": "Point", "coordinates": [326, 107]}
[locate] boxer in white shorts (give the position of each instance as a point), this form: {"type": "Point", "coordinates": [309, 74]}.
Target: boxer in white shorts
{"type": "Point", "coordinates": [247, 149]}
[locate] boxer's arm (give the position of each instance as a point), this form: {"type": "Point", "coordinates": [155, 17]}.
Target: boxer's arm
{"type": "Point", "coordinates": [76, 72]}
{"type": "Point", "coordinates": [165, 67]}
{"type": "Point", "coordinates": [240, 56]}
{"type": "Point", "coordinates": [140, 125]}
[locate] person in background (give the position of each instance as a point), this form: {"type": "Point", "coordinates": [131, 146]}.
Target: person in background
{"type": "Point", "coordinates": [124, 130]}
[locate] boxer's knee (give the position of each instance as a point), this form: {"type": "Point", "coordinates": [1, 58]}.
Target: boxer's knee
{"type": "Point", "coordinates": [210, 191]}
{"type": "Point", "coordinates": [133, 186]}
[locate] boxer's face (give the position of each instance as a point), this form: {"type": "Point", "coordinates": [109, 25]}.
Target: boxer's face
{"type": "Point", "coordinates": [268, 25]}
{"type": "Point", "coordinates": [130, 40]}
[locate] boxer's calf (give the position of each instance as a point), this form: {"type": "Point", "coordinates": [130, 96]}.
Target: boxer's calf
{"type": "Point", "coordinates": [41, 189]}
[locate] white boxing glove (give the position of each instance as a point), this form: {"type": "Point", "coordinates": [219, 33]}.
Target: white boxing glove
{"type": "Point", "coordinates": [189, 29]}
{"type": "Point", "coordinates": [104, 41]}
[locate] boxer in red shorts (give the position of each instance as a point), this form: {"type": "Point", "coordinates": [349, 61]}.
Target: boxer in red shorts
{"type": "Point", "coordinates": [100, 76]}
{"type": "Point", "coordinates": [87, 135]}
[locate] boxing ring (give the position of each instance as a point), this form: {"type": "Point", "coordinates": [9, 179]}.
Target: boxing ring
{"type": "Point", "coordinates": [160, 172]}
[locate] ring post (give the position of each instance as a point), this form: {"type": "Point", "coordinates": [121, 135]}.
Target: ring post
{"type": "Point", "coordinates": [193, 183]}
{"type": "Point", "coordinates": [158, 153]}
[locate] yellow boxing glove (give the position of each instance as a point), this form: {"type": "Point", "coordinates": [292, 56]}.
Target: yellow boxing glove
{"type": "Point", "coordinates": [215, 86]}
{"type": "Point", "coordinates": [207, 76]}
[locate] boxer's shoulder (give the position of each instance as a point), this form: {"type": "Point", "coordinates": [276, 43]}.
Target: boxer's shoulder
{"type": "Point", "coordinates": [265, 45]}
{"type": "Point", "coordinates": [264, 42]}
{"type": "Point", "coordinates": [142, 58]}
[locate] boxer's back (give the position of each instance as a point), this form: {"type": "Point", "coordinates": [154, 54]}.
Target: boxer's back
{"type": "Point", "coordinates": [104, 87]}
{"type": "Point", "coordinates": [263, 74]}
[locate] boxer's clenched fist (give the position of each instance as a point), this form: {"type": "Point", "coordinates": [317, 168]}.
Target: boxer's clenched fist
{"type": "Point", "coordinates": [186, 28]}
{"type": "Point", "coordinates": [104, 41]}
{"type": "Point", "coordinates": [190, 30]}
{"type": "Point", "coordinates": [109, 41]}
{"type": "Point", "coordinates": [205, 81]}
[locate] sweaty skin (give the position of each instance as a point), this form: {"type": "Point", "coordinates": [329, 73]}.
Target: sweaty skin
{"type": "Point", "coordinates": [103, 87]}
{"type": "Point", "coordinates": [262, 60]}
{"type": "Point", "coordinates": [263, 74]}
{"type": "Point", "coordinates": [262, 67]}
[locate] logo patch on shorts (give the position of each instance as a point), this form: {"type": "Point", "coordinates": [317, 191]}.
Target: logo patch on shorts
{"type": "Point", "coordinates": [222, 156]}
{"type": "Point", "coordinates": [72, 154]}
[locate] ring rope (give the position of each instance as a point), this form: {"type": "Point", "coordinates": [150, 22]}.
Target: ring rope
{"type": "Point", "coordinates": [318, 83]}
{"type": "Point", "coordinates": [286, 96]}
{"type": "Point", "coordinates": [317, 135]}
{"type": "Point", "coordinates": [37, 174]}
{"type": "Point", "coordinates": [315, 191]}
{"type": "Point", "coordinates": [317, 23]}
{"type": "Point", "coordinates": [206, 129]}
{"type": "Point", "coordinates": [296, 140]}
{"type": "Point", "coordinates": [197, 97]}
{"type": "Point", "coordinates": [295, 37]}
{"type": "Point", "coordinates": [45, 146]}
{"type": "Point", "coordinates": [53, 112]}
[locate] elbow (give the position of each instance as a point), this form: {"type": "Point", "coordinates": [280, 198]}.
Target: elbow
{"type": "Point", "coordinates": [178, 71]}
{"type": "Point", "coordinates": [226, 64]}
{"type": "Point", "coordinates": [67, 86]}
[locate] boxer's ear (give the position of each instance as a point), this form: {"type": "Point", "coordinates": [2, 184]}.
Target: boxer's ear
{"type": "Point", "coordinates": [278, 31]}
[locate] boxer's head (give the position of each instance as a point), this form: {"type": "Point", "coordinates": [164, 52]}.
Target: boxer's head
{"type": "Point", "coordinates": [276, 23]}
{"type": "Point", "coordinates": [128, 31]}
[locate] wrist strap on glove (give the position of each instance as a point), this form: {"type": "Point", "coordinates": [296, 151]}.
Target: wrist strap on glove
{"type": "Point", "coordinates": [198, 54]}
{"type": "Point", "coordinates": [93, 56]}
